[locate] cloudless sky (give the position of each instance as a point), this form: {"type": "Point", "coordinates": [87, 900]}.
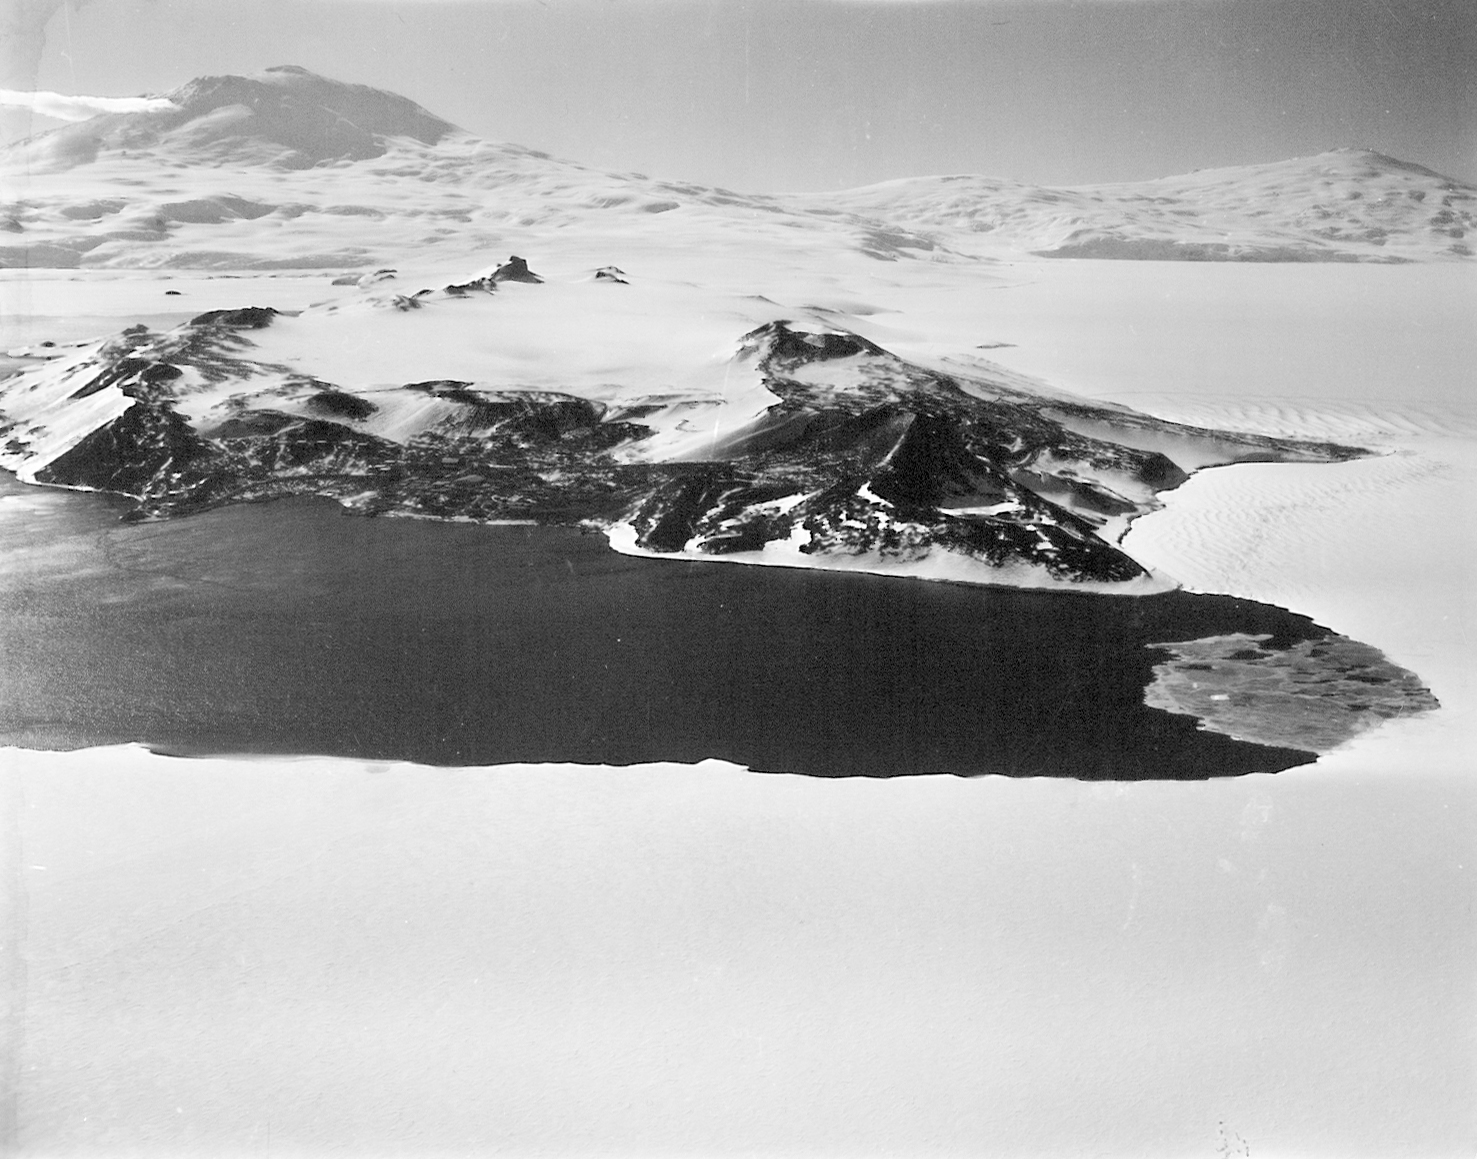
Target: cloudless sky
{"type": "Point", "coordinates": [818, 94]}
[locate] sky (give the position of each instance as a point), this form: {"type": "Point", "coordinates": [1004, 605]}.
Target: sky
{"type": "Point", "coordinates": [774, 95]}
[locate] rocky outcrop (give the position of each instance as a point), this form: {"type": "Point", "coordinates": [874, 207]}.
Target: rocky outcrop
{"type": "Point", "coordinates": [515, 269]}
{"type": "Point", "coordinates": [867, 455]}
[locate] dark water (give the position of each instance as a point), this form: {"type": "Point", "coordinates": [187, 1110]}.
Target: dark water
{"type": "Point", "coordinates": [295, 628]}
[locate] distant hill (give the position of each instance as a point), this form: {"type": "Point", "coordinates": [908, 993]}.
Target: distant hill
{"type": "Point", "coordinates": [290, 170]}
{"type": "Point", "coordinates": [1345, 205]}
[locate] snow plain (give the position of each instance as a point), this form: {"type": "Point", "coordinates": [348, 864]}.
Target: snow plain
{"type": "Point", "coordinates": [315, 956]}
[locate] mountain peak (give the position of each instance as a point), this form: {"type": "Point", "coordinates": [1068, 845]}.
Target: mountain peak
{"type": "Point", "coordinates": [1383, 162]}
{"type": "Point", "coordinates": [284, 116]}
{"type": "Point", "coordinates": [287, 88]}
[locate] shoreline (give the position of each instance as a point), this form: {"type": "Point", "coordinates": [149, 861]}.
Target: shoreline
{"type": "Point", "coordinates": [956, 569]}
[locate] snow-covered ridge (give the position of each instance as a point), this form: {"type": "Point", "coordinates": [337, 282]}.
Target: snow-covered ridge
{"type": "Point", "coordinates": [289, 170]}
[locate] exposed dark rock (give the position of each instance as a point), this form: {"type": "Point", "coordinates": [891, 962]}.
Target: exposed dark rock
{"type": "Point", "coordinates": [485, 285]}
{"type": "Point", "coordinates": [248, 318]}
{"type": "Point", "coordinates": [341, 405]}
{"type": "Point", "coordinates": [146, 448]}
{"type": "Point", "coordinates": [515, 269]}
{"type": "Point", "coordinates": [784, 347]}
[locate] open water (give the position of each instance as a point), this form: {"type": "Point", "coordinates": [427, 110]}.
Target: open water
{"type": "Point", "coordinates": [293, 627]}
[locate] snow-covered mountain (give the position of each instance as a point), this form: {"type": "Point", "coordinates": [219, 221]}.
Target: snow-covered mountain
{"type": "Point", "coordinates": [289, 170]}
{"type": "Point", "coordinates": [1346, 205]}
{"type": "Point", "coordinates": [286, 118]}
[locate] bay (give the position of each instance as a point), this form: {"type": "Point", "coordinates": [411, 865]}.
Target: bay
{"type": "Point", "coordinates": [294, 627]}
